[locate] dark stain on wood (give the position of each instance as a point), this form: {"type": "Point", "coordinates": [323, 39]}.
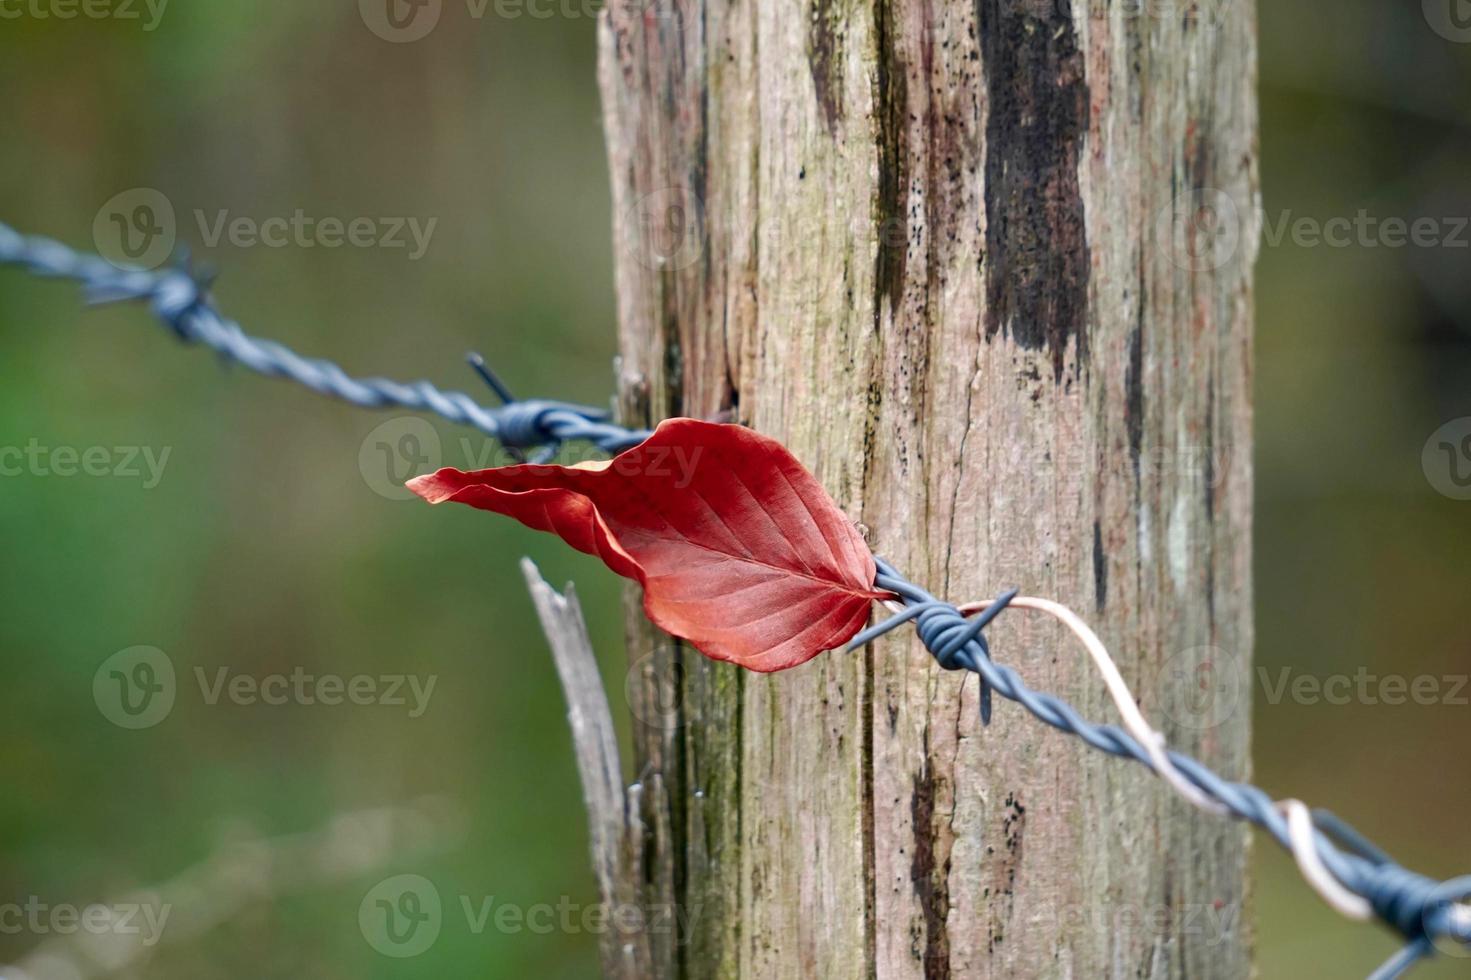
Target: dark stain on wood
{"type": "Point", "coordinates": [1007, 860]}
{"type": "Point", "coordinates": [672, 348]}
{"type": "Point", "coordinates": [1208, 453]}
{"type": "Point", "coordinates": [681, 795]}
{"type": "Point", "coordinates": [825, 58]}
{"type": "Point", "coordinates": [1134, 390]}
{"type": "Point", "coordinates": [1100, 568]}
{"type": "Point", "coordinates": [890, 218]}
{"type": "Point", "coordinates": [1013, 827]}
{"type": "Point", "coordinates": [1211, 474]}
{"type": "Point", "coordinates": [953, 117]}
{"type": "Point", "coordinates": [870, 841]}
{"type": "Point", "coordinates": [1036, 240]}
{"type": "Point", "coordinates": [930, 875]}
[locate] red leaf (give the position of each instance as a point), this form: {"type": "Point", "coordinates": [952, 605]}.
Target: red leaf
{"type": "Point", "coordinates": [738, 548]}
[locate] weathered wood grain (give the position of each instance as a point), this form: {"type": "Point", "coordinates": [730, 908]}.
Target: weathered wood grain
{"type": "Point", "coordinates": [938, 250]}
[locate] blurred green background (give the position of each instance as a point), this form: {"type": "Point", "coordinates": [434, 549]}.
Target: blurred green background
{"type": "Point", "coordinates": [265, 548]}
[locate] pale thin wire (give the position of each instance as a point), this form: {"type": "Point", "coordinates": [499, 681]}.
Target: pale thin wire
{"type": "Point", "coordinates": [1299, 817]}
{"type": "Point", "coordinates": [1304, 850]}
{"type": "Point", "coordinates": [1149, 737]}
{"type": "Point", "coordinates": [1421, 909]}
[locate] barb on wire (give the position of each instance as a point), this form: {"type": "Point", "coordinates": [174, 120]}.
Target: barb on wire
{"type": "Point", "coordinates": [1345, 868]}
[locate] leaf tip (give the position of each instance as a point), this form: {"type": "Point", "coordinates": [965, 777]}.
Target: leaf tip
{"type": "Point", "coordinates": [435, 487]}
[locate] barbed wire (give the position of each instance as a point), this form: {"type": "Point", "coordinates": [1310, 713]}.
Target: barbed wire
{"type": "Point", "coordinates": [1421, 909]}
{"type": "Point", "coordinates": [1354, 876]}
{"type": "Point", "coordinates": [180, 299]}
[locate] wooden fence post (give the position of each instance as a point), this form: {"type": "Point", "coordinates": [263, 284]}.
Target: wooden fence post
{"type": "Point", "coordinates": [985, 268]}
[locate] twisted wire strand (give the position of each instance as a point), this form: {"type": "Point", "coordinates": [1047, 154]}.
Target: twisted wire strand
{"type": "Point", "coordinates": [180, 300]}
{"type": "Point", "coordinates": [1144, 733]}
{"type": "Point", "coordinates": [1421, 909]}
{"type": "Point", "coordinates": [1426, 912]}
